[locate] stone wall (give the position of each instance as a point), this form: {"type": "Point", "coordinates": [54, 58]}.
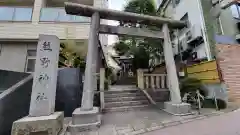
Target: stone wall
{"type": "Point", "coordinates": [229, 64]}
{"type": "Point", "coordinates": [14, 104]}
{"type": "Point", "coordinates": [9, 78]}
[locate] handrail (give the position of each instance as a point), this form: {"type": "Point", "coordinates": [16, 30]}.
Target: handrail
{"type": "Point", "coordinates": [148, 97]}
{"type": "Point", "coordinates": [14, 87]}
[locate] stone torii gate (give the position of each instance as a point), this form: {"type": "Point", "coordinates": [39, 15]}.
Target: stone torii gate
{"type": "Point", "coordinates": [88, 116]}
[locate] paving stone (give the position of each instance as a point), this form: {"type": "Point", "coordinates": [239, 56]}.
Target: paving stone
{"type": "Point", "coordinates": [154, 128]}
{"type": "Point", "coordinates": [107, 130]}
{"type": "Point", "coordinates": [124, 131]}
{"type": "Point", "coordinates": [200, 117]}
{"type": "Point", "coordinates": [89, 133]}
{"type": "Point", "coordinates": [171, 123]}
{"type": "Point", "coordinates": [122, 126]}
{"type": "Point", "coordinates": [186, 120]}
{"type": "Point", "coordinates": [139, 126]}
{"type": "Point", "coordinates": [137, 132]}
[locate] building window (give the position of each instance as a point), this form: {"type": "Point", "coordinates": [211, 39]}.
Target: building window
{"type": "Point", "coordinates": [31, 60]}
{"type": "Point", "coordinates": [15, 14]}
{"type": "Point", "coordinates": [59, 15]}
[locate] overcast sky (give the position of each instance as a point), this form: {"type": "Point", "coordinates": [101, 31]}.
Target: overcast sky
{"type": "Point", "coordinates": [116, 5]}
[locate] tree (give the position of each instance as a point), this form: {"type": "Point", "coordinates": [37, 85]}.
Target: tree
{"type": "Point", "coordinates": [143, 49]}
{"type": "Point", "coordinates": [69, 57]}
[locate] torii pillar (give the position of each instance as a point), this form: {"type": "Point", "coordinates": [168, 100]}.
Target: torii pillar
{"type": "Point", "coordinates": [87, 116]}
{"type": "Point", "coordinates": [175, 106]}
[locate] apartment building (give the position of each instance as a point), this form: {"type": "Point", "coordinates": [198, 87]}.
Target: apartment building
{"type": "Point", "coordinates": [22, 21]}
{"type": "Point", "coordinates": [192, 36]}
{"type": "Point", "coordinates": [208, 24]}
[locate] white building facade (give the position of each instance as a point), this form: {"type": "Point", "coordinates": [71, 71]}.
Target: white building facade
{"type": "Point", "coordinates": [191, 36]}
{"type": "Point", "coordinates": [22, 21]}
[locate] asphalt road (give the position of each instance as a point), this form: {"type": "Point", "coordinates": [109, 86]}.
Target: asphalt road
{"type": "Point", "coordinates": [226, 124]}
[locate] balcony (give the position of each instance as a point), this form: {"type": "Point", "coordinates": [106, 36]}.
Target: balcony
{"type": "Point", "coordinates": [60, 3]}
{"type": "Point", "coordinates": [15, 14]}
{"type": "Point", "coordinates": [16, 2]}
{"type": "Point", "coordinates": [59, 15]}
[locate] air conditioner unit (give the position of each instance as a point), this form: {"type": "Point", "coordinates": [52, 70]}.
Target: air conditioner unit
{"type": "Point", "coordinates": [194, 55]}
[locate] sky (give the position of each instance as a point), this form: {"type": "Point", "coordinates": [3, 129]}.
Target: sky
{"type": "Point", "coordinates": [116, 5]}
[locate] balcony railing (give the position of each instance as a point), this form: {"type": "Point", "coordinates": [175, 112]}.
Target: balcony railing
{"type": "Point", "coordinates": [15, 14]}
{"type": "Point", "coordinates": [59, 15]}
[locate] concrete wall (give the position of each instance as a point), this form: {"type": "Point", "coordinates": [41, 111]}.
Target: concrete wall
{"type": "Point", "coordinates": [13, 55]}
{"type": "Point", "coordinates": [9, 78]}
{"type": "Point", "coordinates": [228, 23]}
{"type": "Point", "coordinates": [20, 30]}
{"type": "Point", "coordinates": [31, 30]}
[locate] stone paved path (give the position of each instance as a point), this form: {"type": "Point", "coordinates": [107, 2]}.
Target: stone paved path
{"type": "Point", "coordinates": [226, 124]}
{"type": "Point", "coordinates": [143, 121]}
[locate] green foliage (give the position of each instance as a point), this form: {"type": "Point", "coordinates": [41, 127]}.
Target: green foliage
{"type": "Point", "coordinates": [121, 47]}
{"type": "Point", "coordinates": [143, 49]}
{"type": "Point", "coordinates": [147, 7]}
{"type": "Point", "coordinates": [70, 57]}
{"type": "Point", "coordinates": [106, 85]}
{"type": "Point", "coordinates": [191, 85]}
{"type": "Point", "coordinates": [141, 58]}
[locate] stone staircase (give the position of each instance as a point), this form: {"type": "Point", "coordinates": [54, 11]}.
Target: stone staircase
{"type": "Point", "coordinates": [124, 98]}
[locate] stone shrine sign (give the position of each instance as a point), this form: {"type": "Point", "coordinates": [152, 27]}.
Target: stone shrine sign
{"type": "Point", "coordinates": [45, 76]}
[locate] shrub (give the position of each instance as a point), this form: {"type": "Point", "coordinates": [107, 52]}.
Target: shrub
{"type": "Point", "coordinates": [191, 85]}
{"type": "Point", "coordinates": [210, 103]}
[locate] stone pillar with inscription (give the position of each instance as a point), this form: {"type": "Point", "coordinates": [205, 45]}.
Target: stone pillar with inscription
{"type": "Point", "coordinates": [88, 117]}
{"type": "Point", "coordinates": [42, 119]}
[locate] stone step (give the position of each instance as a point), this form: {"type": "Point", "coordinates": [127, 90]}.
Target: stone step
{"type": "Point", "coordinates": [122, 91]}
{"type": "Point", "coordinates": [126, 103]}
{"type": "Point", "coordinates": [116, 95]}
{"type": "Point", "coordinates": [125, 108]}
{"type": "Point", "coordinates": [122, 87]}
{"type": "Point", "coordinates": [118, 99]}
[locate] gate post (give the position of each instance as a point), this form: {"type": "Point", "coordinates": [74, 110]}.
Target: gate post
{"type": "Point", "coordinates": [140, 79]}
{"type": "Point", "coordinates": [87, 116]}
{"type": "Point", "coordinates": [175, 106]}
